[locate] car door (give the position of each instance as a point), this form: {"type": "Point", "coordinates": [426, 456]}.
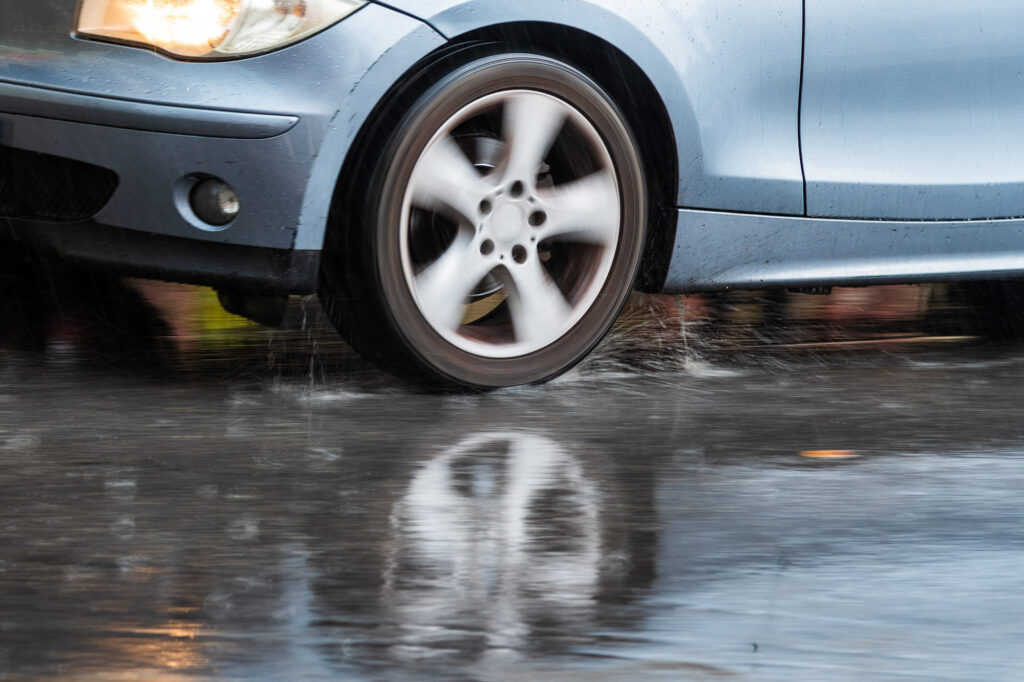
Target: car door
{"type": "Point", "coordinates": [913, 109]}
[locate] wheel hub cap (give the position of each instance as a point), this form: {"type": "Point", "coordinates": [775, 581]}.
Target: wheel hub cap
{"type": "Point", "coordinates": [508, 223]}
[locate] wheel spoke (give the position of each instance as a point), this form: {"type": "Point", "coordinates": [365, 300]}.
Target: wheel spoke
{"type": "Point", "coordinates": [445, 179]}
{"type": "Point", "coordinates": [585, 210]}
{"type": "Point", "coordinates": [536, 304]}
{"type": "Point", "coordinates": [442, 288]}
{"type": "Point", "coordinates": [532, 121]}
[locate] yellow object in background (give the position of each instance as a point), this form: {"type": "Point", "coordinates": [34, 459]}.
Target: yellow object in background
{"type": "Point", "coordinates": [211, 317]}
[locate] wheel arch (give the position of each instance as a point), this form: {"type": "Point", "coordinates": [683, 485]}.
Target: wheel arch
{"type": "Point", "coordinates": [629, 86]}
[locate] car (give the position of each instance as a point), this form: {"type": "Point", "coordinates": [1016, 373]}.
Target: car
{"type": "Point", "coordinates": [473, 187]}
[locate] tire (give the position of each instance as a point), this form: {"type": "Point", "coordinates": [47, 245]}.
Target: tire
{"type": "Point", "coordinates": [500, 231]}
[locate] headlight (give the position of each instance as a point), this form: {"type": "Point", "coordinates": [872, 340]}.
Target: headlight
{"type": "Point", "coordinates": [210, 29]}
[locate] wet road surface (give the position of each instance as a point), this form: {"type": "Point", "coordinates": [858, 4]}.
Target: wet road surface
{"type": "Point", "coordinates": [188, 496]}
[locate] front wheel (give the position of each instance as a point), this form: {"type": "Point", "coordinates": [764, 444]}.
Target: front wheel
{"type": "Point", "coordinates": [501, 232]}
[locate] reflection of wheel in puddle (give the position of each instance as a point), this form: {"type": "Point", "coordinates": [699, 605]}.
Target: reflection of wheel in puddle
{"type": "Point", "coordinates": [499, 531]}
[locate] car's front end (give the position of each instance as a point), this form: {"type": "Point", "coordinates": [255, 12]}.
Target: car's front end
{"type": "Point", "coordinates": [179, 150]}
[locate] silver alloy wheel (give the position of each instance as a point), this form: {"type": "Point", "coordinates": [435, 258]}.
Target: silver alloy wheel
{"type": "Point", "coordinates": [509, 221]}
{"type": "Point", "coordinates": [493, 227]}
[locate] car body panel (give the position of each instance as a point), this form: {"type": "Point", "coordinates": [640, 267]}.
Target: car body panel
{"type": "Point", "coordinates": [913, 109]}
{"type": "Point", "coordinates": [717, 250]}
{"type": "Point", "coordinates": [728, 72]}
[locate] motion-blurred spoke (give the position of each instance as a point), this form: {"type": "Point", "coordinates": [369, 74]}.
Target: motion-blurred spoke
{"type": "Point", "coordinates": [442, 288]}
{"type": "Point", "coordinates": [445, 180]}
{"type": "Point", "coordinates": [539, 310]}
{"type": "Point", "coordinates": [532, 122]}
{"type": "Point", "coordinates": [586, 210]}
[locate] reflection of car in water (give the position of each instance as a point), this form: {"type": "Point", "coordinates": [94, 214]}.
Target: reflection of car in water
{"type": "Point", "coordinates": [473, 187]}
{"type": "Point", "coordinates": [456, 545]}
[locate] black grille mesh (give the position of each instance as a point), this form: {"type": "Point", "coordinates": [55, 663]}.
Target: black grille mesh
{"type": "Point", "coordinates": [38, 186]}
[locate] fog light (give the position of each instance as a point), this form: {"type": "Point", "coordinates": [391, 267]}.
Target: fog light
{"type": "Point", "coordinates": [214, 201]}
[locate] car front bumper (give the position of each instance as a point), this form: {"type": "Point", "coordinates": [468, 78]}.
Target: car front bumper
{"type": "Point", "coordinates": [154, 149]}
{"type": "Point", "coordinates": [275, 127]}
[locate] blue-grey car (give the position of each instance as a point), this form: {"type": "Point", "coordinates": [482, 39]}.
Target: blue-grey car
{"type": "Point", "coordinates": [474, 186]}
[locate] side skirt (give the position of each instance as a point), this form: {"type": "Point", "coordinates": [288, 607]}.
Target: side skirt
{"type": "Point", "coordinates": [718, 250]}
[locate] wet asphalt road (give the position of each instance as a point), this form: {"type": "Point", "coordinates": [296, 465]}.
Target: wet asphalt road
{"type": "Point", "coordinates": [186, 496]}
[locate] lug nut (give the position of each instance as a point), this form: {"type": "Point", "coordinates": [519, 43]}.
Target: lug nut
{"type": "Point", "coordinates": [519, 253]}
{"type": "Point", "coordinates": [537, 218]}
{"type": "Point", "coordinates": [486, 247]}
